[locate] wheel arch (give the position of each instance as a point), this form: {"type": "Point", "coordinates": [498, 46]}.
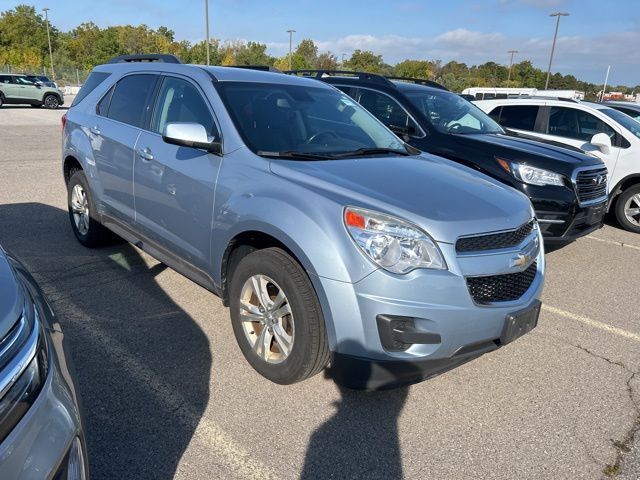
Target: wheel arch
{"type": "Point", "coordinates": [70, 163]}
{"type": "Point", "coordinates": [621, 186]}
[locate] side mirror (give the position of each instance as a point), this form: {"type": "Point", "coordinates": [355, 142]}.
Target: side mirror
{"type": "Point", "coordinates": [602, 141]}
{"type": "Point", "coordinates": [39, 84]}
{"type": "Point", "coordinates": [191, 135]}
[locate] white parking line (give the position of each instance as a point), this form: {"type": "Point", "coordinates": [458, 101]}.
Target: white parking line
{"type": "Point", "coordinates": [613, 242]}
{"type": "Point", "coordinates": [220, 445]}
{"type": "Point", "coordinates": [593, 323]}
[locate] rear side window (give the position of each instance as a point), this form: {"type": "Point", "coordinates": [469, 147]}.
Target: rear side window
{"type": "Point", "coordinates": [131, 99]}
{"type": "Point", "coordinates": [94, 79]}
{"type": "Point", "coordinates": [5, 78]}
{"type": "Point", "coordinates": [520, 117]}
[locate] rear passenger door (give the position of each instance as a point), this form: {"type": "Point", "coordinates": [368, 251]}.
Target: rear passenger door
{"type": "Point", "coordinates": [8, 87]}
{"type": "Point", "coordinates": [174, 185]}
{"type": "Point", "coordinates": [120, 116]}
{"type": "Point", "coordinates": [521, 118]}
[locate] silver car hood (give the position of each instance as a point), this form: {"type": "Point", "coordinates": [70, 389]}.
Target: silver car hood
{"type": "Point", "coordinates": [11, 297]}
{"type": "Point", "coordinates": [446, 199]}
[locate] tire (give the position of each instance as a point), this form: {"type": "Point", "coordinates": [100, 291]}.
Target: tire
{"type": "Point", "coordinates": [51, 102]}
{"type": "Point", "coordinates": [82, 213]}
{"type": "Point", "coordinates": [1, 100]}
{"type": "Point", "coordinates": [628, 209]}
{"type": "Point", "coordinates": [302, 329]}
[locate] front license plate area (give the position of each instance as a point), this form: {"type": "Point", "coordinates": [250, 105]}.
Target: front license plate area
{"type": "Point", "coordinates": [518, 323]}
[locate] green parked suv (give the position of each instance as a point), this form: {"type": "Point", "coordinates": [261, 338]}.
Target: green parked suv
{"type": "Point", "coordinates": [16, 88]}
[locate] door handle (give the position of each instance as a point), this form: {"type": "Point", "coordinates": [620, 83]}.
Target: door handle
{"type": "Point", "coordinates": [95, 130]}
{"type": "Point", "coordinates": [145, 154]}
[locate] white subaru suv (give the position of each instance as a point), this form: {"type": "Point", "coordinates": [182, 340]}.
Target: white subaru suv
{"type": "Point", "coordinates": [595, 128]}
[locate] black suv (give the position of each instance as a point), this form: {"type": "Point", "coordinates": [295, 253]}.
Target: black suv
{"type": "Point", "coordinates": [567, 187]}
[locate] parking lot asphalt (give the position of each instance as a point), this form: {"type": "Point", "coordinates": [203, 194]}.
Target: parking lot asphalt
{"type": "Point", "coordinates": [166, 392]}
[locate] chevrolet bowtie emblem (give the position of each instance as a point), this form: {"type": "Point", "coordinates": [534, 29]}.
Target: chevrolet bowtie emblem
{"type": "Point", "coordinates": [521, 260]}
{"type": "Point", "coordinates": [525, 256]}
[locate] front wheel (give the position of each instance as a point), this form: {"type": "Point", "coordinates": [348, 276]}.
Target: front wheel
{"type": "Point", "coordinates": [628, 209]}
{"type": "Point", "coordinates": [276, 317]}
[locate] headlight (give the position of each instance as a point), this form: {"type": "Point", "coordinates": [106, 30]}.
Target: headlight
{"type": "Point", "coordinates": [531, 175]}
{"type": "Point", "coordinates": [393, 244]}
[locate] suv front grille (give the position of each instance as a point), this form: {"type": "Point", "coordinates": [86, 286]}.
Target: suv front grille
{"type": "Point", "coordinates": [501, 288]}
{"type": "Point", "coordinates": [591, 185]}
{"type": "Point", "coordinates": [494, 241]}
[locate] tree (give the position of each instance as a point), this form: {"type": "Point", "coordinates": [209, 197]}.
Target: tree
{"type": "Point", "coordinates": [253, 53]}
{"type": "Point", "coordinates": [305, 55]}
{"type": "Point", "coordinates": [367, 61]}
{"type": "Point", "coordinates": [327, 61]}
{"type": "Point", "coordinates": [414, 69]}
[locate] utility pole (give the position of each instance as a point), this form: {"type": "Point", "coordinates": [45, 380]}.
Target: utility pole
{"type": "Point", "coordinates": [553, 45]}
{"type": "Point", "coordinates": [512, 52]}
{"type": "Point", "coordinates": [342, 64]}
{"type": "Point", "coordinates": [206, 16]}
{"type": "Point", "coordinates": [290, 32]}
{"type": "Point", "coordinates": [606, 80]}
{"type": "Point", "coordinates": [46, 19]}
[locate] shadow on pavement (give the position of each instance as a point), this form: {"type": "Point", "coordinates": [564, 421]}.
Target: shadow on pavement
{"type": "Point", "coordinates": [141, 361]}
{"type": "Point", "coordinates": [361, 439]}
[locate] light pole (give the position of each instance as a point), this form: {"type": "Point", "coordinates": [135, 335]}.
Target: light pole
{"type": "Point", "coordinates": [342, 64]}
{"type": "Point", "coordinates": [512, 52]}
{"type": "Point", "coordinates": [206, 16]}
{"type": "Point", "coordinates": [290, 32]}
{"type": "Point", "coordinates": [46, 19]}
{"type": "Point", "coordinates": [553, 45]}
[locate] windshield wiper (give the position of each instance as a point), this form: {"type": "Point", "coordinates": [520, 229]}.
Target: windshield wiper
{"type": "Point", "coordinates": [361, 152]}
{"type": "Point", "coordinates": [293, 154]}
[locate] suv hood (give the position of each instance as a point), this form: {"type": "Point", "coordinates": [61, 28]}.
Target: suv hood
{"type": "Point", "coordinates": [11, 296]}
{"type": "Point", "coordinates": [544, 155]}
{"type": "Point", "coordinates": [444, 198]}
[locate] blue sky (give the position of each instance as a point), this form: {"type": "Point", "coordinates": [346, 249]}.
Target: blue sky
{"type": "Point", "coordinates": [597, 33]}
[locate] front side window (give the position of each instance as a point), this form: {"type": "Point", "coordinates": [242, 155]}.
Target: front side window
{"type": "Point", "coordinates": [576, 124]}
{"type": "Point", "coordinates": [280, 118]}
{"type": "Point", "coordinates": [387, 110]}
{"type": "Point", "coordinates": [179, 101]}
{"type": "Point", "coordinates": [131, 98]}
{"type": "Point", "coordinates": [24, 81]}
{"type": "Point", "coordinates": [450, 113]}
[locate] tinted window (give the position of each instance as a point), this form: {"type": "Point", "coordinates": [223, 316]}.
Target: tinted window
{"type": "Point", "coordinates": [627, 122]}
{"type": "Point", "coordinates": [281, 118]}
{"type": "Point", "coordinates": [94, 79]}
{"type": "Point", "coordinates": [632, 113]}
{"type": "Point", "coordinates": [450, 113]}
{"type": "Point", "coordinates": [103, 106]}
{"type": "Point", "coordinates": [386, 109]}
{"type": "Point", "coordinates": [23, 81]}
{"type": "Point", "coordinates": [5, 78]}
{"type": "Point", "coordinates": [180, 101]}
{"type": "Point", "coordinates": [576, 124]}
{"type": "Point", "coordinates": [131, 98]}
{"type": "Point", "coordinates": [521, 117]}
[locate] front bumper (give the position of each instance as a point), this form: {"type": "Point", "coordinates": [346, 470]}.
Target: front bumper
{"type": "Point", "coordinates": [39, 444]}
{"type": "Point", "coordinates": [438, 302]}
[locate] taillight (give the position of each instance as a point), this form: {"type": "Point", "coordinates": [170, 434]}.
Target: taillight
{"type": "Point", "coordinates": [63, 120]}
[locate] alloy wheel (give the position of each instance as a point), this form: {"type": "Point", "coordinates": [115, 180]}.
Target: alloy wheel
{"type": "Point", "coordinates": [80, 209]}
{"type": "Point", "coordinates": [632, 209]}
{"type": "Point", "coordinates": [267, 320]}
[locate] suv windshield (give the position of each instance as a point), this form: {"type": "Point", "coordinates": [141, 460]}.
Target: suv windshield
{"type": "Point", "coordinates": [450, 113]}
{"type": "Point", "coordinates": [623, 119]}
{"type": "Point", "coordinates": [286, 120]}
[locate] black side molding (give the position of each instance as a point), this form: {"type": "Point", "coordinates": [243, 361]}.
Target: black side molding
{"type": "Point", "coordinates": [151, 57]}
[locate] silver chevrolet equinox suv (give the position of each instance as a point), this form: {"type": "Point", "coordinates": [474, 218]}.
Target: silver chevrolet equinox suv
{"type": "Point", "coordinates": [330, 240]}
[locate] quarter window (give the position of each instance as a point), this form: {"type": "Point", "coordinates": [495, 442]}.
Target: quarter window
{"type": "Point", "coordinates": [5, 78]}
{"type": "Point", "coordinates": [131, 98]}
{"type": "Point", "coordinates": [180, 101]}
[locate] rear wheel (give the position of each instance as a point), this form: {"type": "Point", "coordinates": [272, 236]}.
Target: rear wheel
{"type": "Point", "coordinates": [276, 317]}
{"type": "Point", "coordinates": [628, 209]}
{"type": "Point", "coordinates": [51, 102]}
{"type": "Point", "coordinates": [83, 215]}
{"type": "Point", "coordinates": [1, 100]}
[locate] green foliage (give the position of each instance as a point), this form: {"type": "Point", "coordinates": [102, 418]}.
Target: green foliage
{"type": "Point", "coordinates": [366, 61]}
{"type": "Point", "coordinates": [415, 69]}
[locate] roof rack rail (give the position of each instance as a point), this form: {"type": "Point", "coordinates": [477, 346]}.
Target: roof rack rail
{"type": "Point", "coordinates": [419, 81]}
{"type": "Point", "coordinates": [150, 57]}
{"type": "Point", "coordinates": [262, 68]}
{"type": "Point", "coordinates": [551, 97]}
{"type": "Point", "coordinates": [372, 77]}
